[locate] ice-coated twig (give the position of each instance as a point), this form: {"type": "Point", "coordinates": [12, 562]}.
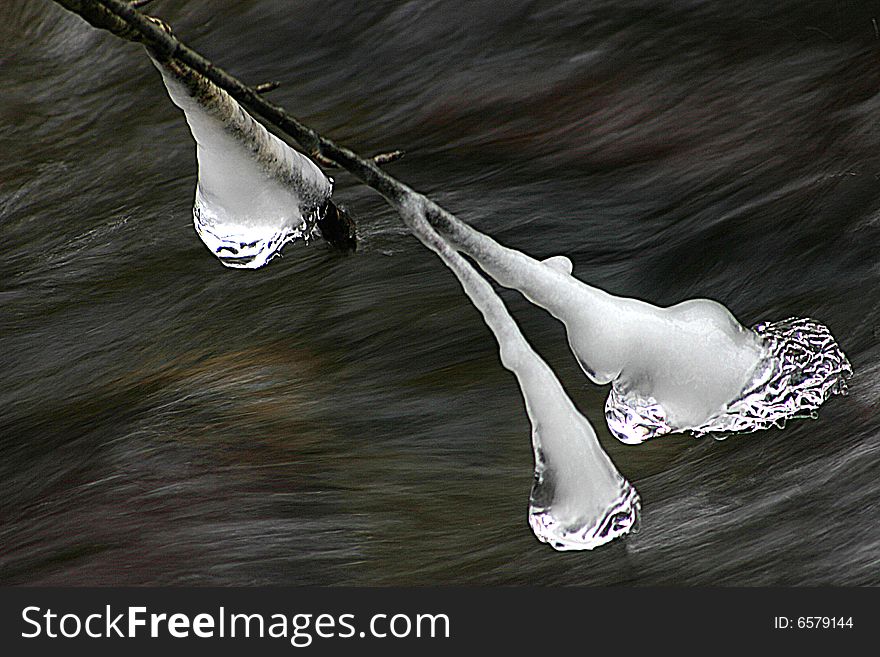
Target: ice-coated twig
{"type": "Point", "coordinates": [692, 366]}
{"type": "Point", "coordinates": [579, 500]}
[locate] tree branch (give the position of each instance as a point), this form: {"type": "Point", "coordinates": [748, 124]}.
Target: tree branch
{"type": "Point", "coordinates": [125, 21]}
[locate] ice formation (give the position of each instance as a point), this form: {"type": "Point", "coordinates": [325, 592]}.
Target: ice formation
{"type": "Point", "coordinates": [255, 193]}
{"type": "Point", "coordinates": [579, 500]}
{"type": "Point", "coordinates": [801, 368]}
{"type": "Point", "coordinates": [689, 367]}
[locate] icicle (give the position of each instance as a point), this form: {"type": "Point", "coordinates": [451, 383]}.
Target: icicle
{"type": "Point", "coordinates": [255, 193]}
{"type": "Point", "coordinates": [579, 500]}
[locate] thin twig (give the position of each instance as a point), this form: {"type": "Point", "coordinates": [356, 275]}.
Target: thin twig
{"type": "Point", "coordinates": [125, 21]}
{"type": "Point", "coordinates": [266, 87]}
{"type": "Point", "coordinates": [380, 159]}
{"type": "Point", "coordinates": [385, 158]}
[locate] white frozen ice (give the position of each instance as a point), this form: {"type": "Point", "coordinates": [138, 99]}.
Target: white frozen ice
{"type": "Point", "coordinates": [692, 358]}
{"type": "Point", "coordinates": [579, 500]}
{"type": "Point", "coordinates": [802, 368]}
{"type": "Point", "coordinates": [255, 193]}
{"type": "Point", "coordinates": [689, 367]}
{"type": "Point", "coordinates": [560, 263]}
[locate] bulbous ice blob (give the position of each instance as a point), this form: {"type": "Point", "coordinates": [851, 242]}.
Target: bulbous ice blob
{"type": "Point", "coordinates": [579, 500]}
{"type": "Point", "coordinates": [690, 367]}
{"type": "Point", "coordinates": [802, 368]}
{"type": "Point", "coordinates": [255, 193]}
{"type": "Point", "coordinates": [693, 357]}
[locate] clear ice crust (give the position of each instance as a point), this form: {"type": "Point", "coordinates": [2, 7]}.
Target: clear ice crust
{"type": "Point", "coordinates": [579, 500]}
{"type": "Point", "coordinates": [801, 368]}
{"type": "Point", "coordinates": [255, 193]}
{"type": "Point", "coordinates": [689, 367]}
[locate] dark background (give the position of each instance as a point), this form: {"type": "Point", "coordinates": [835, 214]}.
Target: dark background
{"type": "Point", "coordinates": [345, 420]}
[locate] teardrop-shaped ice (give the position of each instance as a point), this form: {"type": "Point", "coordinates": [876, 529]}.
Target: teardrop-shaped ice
{"type": "Point", "coordinates": [255, 193]}
{"type": "Point", "coordinates": [579, 500]}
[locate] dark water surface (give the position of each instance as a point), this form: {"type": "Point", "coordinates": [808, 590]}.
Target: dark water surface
{"type": "Point", "coordinates": [332, 419]}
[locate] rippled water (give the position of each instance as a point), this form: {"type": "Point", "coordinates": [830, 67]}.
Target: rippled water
{"type": "Point", "coordinates": [344, 419]}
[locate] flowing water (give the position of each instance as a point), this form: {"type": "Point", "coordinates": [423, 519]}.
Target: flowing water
{"type": "Point", "coordinates": [335, 419]}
